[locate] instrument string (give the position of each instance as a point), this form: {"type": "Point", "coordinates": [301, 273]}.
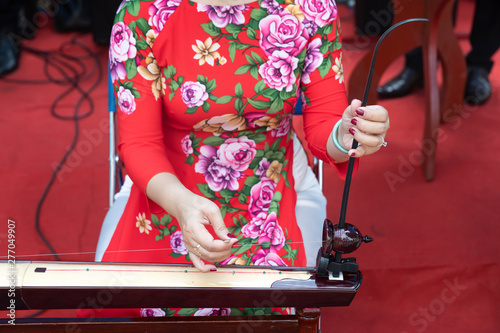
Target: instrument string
{"type": "Point", "coordinates": [118, 251]}
{"type": "Point", "coordinates": [183, 270]}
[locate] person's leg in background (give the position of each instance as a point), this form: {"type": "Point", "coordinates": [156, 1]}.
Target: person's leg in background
{"type": "Point", "coordinates": [412, 75]}
{"type": "Point", "coordinates": [410, 78]}
{"type": "Point", "coordinates": [485, 41]}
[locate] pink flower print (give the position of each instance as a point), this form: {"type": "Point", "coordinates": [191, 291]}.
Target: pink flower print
{"type": "Point", "coordinates": [221, 16]}
{"type": "Point", "coordinates": [263, 166]}
{"type": "Point", "coordinates": [278, 73]}
{"type": "Point", "coordinates": [187, 145]}
{"type": "Point", "coordinates": [193, 94]}
{"type": "Point", "coordinates": [313, 59]}
{"type": "Point", "coordinates": [213, 312]}
{"type": "Point", "coordinates": [177, 243]}
{"type": "Point", "coordinates": [320, 12]}
{"type": "Point", "coordinates": [250, 230]}
{"type": "Point", "coordinates": [237, 153]}
{"type": "Point", "coordinates": [272, 233]}
{"type": "Point", "coordinates": [117, 68]}
{"type": "Point", "coordinates": [261, 195]}
{"type": "Point", "coordinates": [259, 119]}
{"type": "Point", "coordinates": [310, 26]}
{"type": "Point", "coordinates": [283, 127]}
{"type": "Point", "coordinates": [282, 33]}
{"type": "Point", "coordinates": [152, 312]}
{"type": "Point", "coordinates": [271, 6]}
{"type": "Point", "coordinates": [122, 43]}
{"type": "Point", "coordinates": [264, 258]}
{"type": "Point", "coordinates": [217, 175]}
{"type": "Point", "coordinates": [160, 11]}
{"type": "Point", "coordinates": [253, 228]}
{"type": "Point", "coordinates": [126, 101]}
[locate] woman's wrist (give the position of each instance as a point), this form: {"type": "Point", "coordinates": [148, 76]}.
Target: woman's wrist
{"type": "Point", "coordinates": [334, 147]}
{"type": "Point", "coordinates": [335, 138]}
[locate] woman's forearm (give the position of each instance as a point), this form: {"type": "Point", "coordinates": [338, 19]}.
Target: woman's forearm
{"type": "Point", "coordinates": [167, 191]}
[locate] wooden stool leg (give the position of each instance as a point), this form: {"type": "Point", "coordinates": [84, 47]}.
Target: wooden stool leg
{"type": "Point", "coordinates": [308, 319]}
{"type": "Point", "coordinates": [432, 115]}
{"type": "Point", "coordinates": [431, 127]}
{"type": "Point", "coordinates": [433, 112]}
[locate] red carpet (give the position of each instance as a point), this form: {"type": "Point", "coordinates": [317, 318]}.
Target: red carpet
{"type": "Point", "coordinates": [433, 266]}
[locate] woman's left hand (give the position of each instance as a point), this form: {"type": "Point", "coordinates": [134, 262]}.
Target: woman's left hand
{"type": "Point", "coordinates": [368, 125]}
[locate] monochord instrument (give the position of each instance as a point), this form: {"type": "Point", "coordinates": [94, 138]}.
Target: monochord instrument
{"type": "Point", "coordinates": [28, 285]}
{"type": "Point", "coordinates": [79, 285]}
{"type": "Point", "coordinates": [67, 285]}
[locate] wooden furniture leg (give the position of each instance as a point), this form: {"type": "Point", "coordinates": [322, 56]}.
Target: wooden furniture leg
{"type": "Point", "coordinates": [431, 126]}
{"type": "Point", "coordinates": [437, 39]}
{"type": "Point", "coordinates": [308, 319]}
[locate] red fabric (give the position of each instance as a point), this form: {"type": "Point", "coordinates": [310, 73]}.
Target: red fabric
{"type": "Point", "coordinates": [160, 115]}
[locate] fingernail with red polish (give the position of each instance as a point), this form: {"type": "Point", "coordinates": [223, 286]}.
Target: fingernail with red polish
{"type": "Point", "coordinates": [352, 154]}
{"type": "Point", "coordinates": [213, 269]}
{"type": "Point", "coordinates": [354, 121]}
{"type": "Point", "coordinates": [352, 131]}
{"type": "Point", "coordinates": [230, 235]}
{"type": "Point", "coordinates": [360, 112]}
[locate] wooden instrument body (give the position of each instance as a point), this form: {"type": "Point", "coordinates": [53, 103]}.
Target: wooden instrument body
{"type": "Point", "coordinates": [73, 285]}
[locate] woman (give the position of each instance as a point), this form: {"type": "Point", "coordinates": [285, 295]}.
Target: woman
{"type": "Point", "coordinates": [205, 93]}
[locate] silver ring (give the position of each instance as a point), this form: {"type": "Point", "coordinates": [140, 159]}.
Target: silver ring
{"type": "Point", "coordinates": [384, 143]}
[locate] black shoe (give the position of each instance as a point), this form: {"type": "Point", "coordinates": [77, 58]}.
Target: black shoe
{"type": "Point", "coordinates": [9, 54]}
{"type": "Point", "coordinates": [402, 84]}
{"type": "Point", "coordinates": [478, 87]}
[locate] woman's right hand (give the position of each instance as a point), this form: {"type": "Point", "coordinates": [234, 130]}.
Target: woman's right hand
{"type": "Point", "coordinates": [194, 213]}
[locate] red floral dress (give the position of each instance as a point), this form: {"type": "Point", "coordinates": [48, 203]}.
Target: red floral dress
{"type": "Point", "coordinates": [207, 93]}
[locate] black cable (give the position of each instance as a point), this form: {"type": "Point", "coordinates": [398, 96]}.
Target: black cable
{"type": "Point", "coordinates": [72, 72]}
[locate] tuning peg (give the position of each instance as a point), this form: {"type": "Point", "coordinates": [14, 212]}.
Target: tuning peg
{"type": "Point", "coordinates": [367, 239]}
